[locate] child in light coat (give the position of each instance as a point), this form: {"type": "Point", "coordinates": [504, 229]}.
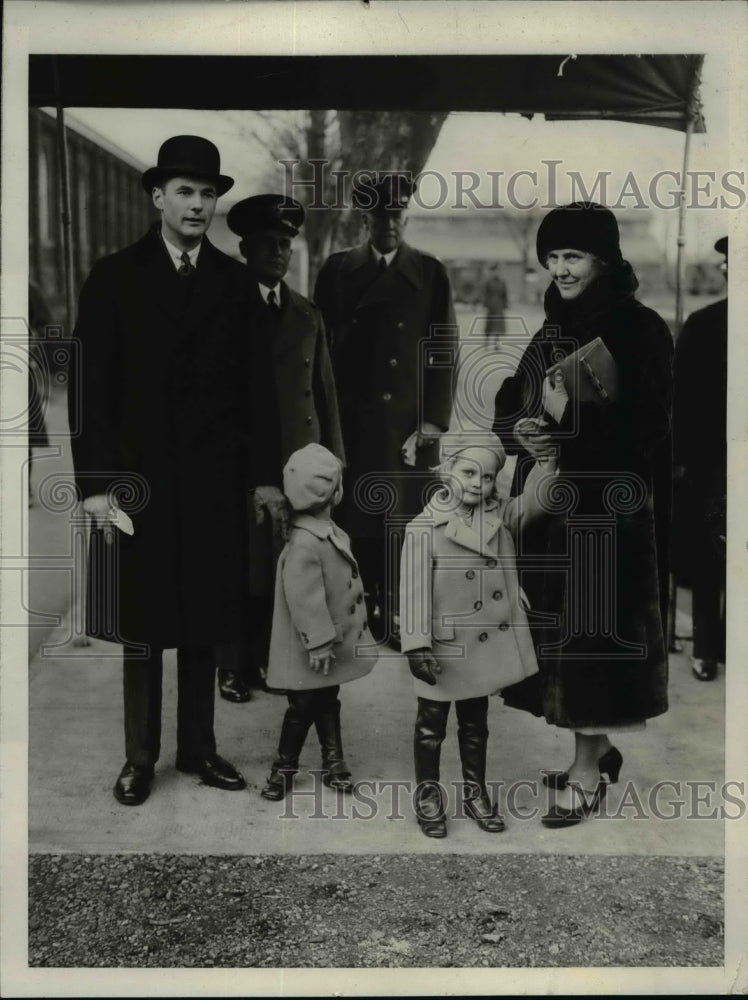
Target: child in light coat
{"type": "Point", "coordinates": [462, 616]}
{"type": "Point", "coordinates": [320, 637]}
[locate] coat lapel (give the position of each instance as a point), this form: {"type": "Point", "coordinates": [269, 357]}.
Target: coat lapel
{"type": "Point", "coordinates": [295, 320]}
{"type": "Point", "coordinates": [404, 272]}
{"type": "Point", "coordinates": [477, 538]}
{"type": "Point", "coordinates": [209, 290]}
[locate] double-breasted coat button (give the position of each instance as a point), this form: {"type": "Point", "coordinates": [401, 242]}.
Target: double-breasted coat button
{"type": "Point", "coordinates": [497, 595]}
{"type": "Point", "coordinates": [503, 627]}
{"type": "Point", "coordinates": [350, 584]}
{"type": "Point", "coordinates": [470, 575]}
{"type": "Point", "coordinates": [401, 326]}
{"type": "Point", "coordinates": [307, 362]}
{"type": "Point", "coordinates": [308, 421]}
{"type": "Point", "coordinates": [352, 609]}
{"type": "Point", "coordinates": [359, 598]}
{"type": "Point", "coordinates": [492, 563]}
{"type": "Point", "coordinates": [478, 605]}
{"type": "Point", "coordinates": [386, 396]}
{"type": "Point", "coordinates": [307, 393]}
{"type": "Point", "coordinates": [393, 362]}
{"type": "Point", "coordinates": [483, 637]}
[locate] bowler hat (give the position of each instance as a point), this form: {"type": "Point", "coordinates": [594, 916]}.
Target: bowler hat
{"type": "Point", "coordinates": [583, 225]}
{"type": "Point", "coordinates": [265, 211]}
{"type": "Point", "coordinates": [721, 245]}
{"type": "Point", "coordinates": [188, 156]}
{"type": "Point", "coordinates": [383, 192]}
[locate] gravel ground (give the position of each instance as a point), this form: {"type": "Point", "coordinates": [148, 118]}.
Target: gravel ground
{"type": "Point", "coordinates": [391, 911]}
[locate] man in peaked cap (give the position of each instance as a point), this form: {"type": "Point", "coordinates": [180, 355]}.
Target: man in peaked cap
{"type": "Point", "coordinates": [158, 461]}
{"type": "Point", "coordinates": [700, 463]}
{"type": "Point", "coordinates": [388, 312]}
{"type": "Point", "coordinates": [292, 402]}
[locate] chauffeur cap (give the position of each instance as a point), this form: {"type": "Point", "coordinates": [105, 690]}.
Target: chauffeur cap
{"type": "Point", "coordinates": [187, 156]}
{"type": "Point", "coordinates": [383, 192]}
{"type": "Point", "coordinates": [266, 211]}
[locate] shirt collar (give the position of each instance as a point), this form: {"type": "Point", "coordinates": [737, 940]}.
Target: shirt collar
{"type": "Point", "coordinates": [389, 257]}
{"type": "Point", "coordinates": [176, 254]}
{"type": "Point", "coordinates": [265, 291]}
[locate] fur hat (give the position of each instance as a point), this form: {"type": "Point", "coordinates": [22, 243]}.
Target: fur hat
{"type": "Point", "coordinates": [583, 225]}
{"type": "Point", "coordinates": [452, 444]}
{"type": "Point", "coordinates": [311, 476]}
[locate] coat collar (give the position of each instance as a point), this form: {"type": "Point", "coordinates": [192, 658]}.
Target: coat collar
{"type": "Point", "coordinates": [209, 286]}
{"type": "Point", "coordinates": [476, 537]}
{"type": "Point", "coordinates": [326, 531]}
{"type": "Point", "coordinates": [407, 264]}
{"type": "Point", "coordinates": [294, 319]}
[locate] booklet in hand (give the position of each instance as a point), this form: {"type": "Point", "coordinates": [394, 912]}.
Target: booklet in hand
{"type": "Point", "coordinates": [589, 374]}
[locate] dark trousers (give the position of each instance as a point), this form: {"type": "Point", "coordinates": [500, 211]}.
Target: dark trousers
{"type": "Point", "coordinates": [708, 606]}
{"type": "Point", "coordinates": [142, 685]}
{"type": "Point", "coordinates": [248, 656]}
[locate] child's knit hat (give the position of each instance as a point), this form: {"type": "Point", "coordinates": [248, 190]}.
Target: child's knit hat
{"type": "Point", "coordinates": [454, 442]}
{"type": "Point", "coordinates": [311, 476]}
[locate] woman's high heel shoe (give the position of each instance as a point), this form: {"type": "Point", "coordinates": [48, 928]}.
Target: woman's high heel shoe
{"type": "Point", "coordinates": [609, 766]}
{"type": "Point", "coordinates": [589, 802]}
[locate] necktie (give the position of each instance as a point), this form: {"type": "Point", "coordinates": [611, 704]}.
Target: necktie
{"type": "Point", "coordinates": [185, 267]}
{"type": "Point", "coordinates": [382, 264]}
{"type": "Point", "coordinates": [272, 301]}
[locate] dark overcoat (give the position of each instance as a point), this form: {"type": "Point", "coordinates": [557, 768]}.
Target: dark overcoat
{"type": "Point", "coordinates": [394, 349]}
{"type": "Point", "coordinates": [154, 405]}
{"type": "Point", "coordinates": [292, 403]}
{"type": "Point", "coordinates": [700, 439]}
{"type": "Point", "coordinates": [595, 569]}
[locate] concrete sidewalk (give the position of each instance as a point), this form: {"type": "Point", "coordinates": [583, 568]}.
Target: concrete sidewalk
{"type": "Point", "coordinates": [76, 751]}
{"type": "Point", "coordinates": [76, 740]}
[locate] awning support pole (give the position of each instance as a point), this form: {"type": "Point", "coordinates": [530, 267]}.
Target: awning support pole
{"type": "Point", "coordinates": [680, 275]}
{"type": "Point", "coordinates": [66, 215]}
{"type": "Point", "coordinates": [680, 264]}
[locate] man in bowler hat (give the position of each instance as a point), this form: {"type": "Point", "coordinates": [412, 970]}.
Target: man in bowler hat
{"type": "Point", "coordinates": [388, 312]}
{"type": "Point", "coordinates": [159, 459]}
{"type": "Point", "coordinates": [292, 403]}
{"type": "Point", "coordinates": [700, 464]}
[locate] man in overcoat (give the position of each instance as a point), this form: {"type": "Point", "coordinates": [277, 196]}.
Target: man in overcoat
{"type": "Point", "coordinates": [158, 454]}
{"type": "Point", "coordinates": [388, 313]}
{"type": "Point", "coordinates": [292, 403]}
{"type": "Point", "coordinates": [700, 464]}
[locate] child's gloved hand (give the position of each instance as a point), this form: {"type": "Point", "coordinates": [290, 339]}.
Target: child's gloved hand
{"type": "Point", "coordinates": [321, 659]}
{"type": "Point", "coordinates": [423, 665]}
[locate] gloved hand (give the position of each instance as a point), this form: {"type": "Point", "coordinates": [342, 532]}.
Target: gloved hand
{"type": "Point", "coordinates": [423, 665]}
{"type": "Point", "coordinates": [321, 659]}
{"type": "Point", "coordinates": [272, 500]}
{"type": "Point", "coordinates": [555, 396]}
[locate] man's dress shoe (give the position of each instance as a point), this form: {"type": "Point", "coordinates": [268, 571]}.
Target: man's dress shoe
{"type": "Point", "coordinates": [134, 784]}
{"type": "Point", "coordinates": [232, 687]}
{"type": "Point", "coordinates": [704, 670]}
{"type": "Point", "coordinates": [214, 771]}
